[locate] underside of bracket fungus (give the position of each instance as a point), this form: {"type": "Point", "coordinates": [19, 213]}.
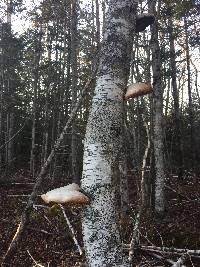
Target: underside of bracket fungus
{"type": "Point", "coordinates": [138, 89]}
{"type": "Point", "coordinates": [69, 194]}
{"type": "Point", "coordinates": [143, 21]}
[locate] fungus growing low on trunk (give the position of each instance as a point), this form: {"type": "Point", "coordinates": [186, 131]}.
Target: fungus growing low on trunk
{"type": "Point", "coordinates": [138, 89]}
{"type": "Point", "coordinates": [69, 194]}
{"type": "Point", "coordinates": [143, 21]}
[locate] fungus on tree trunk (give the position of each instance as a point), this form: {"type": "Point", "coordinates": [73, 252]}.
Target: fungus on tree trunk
{"type": "Point", "coordinates": [138, 89]}
{"type": "Point", "coordinates": [69, 194]}
{"type": "Point", "coordinates": [143, 21]}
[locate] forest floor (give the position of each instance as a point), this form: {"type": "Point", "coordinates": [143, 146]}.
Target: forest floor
{"type": "Point", "coordinates": [48, 242]}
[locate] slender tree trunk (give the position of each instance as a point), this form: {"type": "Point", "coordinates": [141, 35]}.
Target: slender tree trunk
{"type": "Point", "coordinates": [145, 181]}
{"type": "Point", "coordinates": [123, 175]}
{"type": "Point", "coordinates": [103, 7]}
{"type": "Point", "coordinates": [37, 187]}
{"type": "Point", "coordinates": [167, 97]}
{"type": "Point", "coordinates": [1, 124]}
{"type": "Point", "coordinates": [103, 139]}
{"type": "Point", "coordinates": [10, 143]}
{"type": "Point", "coordinates": [157, 116]}
{"type": "Point", "coordinates": [97, 26]}
{"type": "Point", "coordinates": [74, 51]}
{"type": "Point", "coordinates": [56, 107]}
{"type": "Point", "coordinates": [68, 67]}
{"type": "Point", "coordinates": [175, 93]}
{"type": "Point", "coordinates": [47, 95]}
{"type": "Point", "coordinates": [35, 73]}
{"type": "Point", "coordinates": [190, 109]}
{"type": "Point", "coordinates": [9, 89]}
{"type": "Point", "coordinates": [2, 86]}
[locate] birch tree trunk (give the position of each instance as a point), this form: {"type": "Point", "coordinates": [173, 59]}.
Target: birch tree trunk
{"type": "Point", "coordinates": [157, 116]}
{"type": "Point", "coordinates": [104, 138]}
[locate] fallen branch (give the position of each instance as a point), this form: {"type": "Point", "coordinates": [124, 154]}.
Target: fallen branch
{"type": "Point", "coordinates": [177, 251]}
{"type": "Point", "coordinates": [162, 258]}
{"type": "Point", "coordinates": [39, 230]}
{"type": "Point", "coordinates": [72, 230]}
{"type": "Point", "coordinates": [18, 195]}
{"type": "Point", "coordinates": [180, 261]}
{"type": "Point", "coordinates": [37, 187]}
{"type": "Point", "coordinates": [8, 141]}
{"type": "Point", "coordinates": [135, 237]}
{"type": "Point", "coordinates": [35, 262]}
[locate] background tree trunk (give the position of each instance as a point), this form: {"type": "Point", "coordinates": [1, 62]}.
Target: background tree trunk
{"type": "Point", "coordinates": [74, 51]}
{"type": "Point", "coordinates": [157, 115]}
{"type": "Point", "coordinates": [175, 93]}
{"type": "Point", "coordinates": [190, 107]}
{"type": "Point", "coordinates": [35, 73]}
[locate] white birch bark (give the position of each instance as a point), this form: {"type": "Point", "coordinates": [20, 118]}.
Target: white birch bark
{"type": "Point", "coordinates": [103, 139]}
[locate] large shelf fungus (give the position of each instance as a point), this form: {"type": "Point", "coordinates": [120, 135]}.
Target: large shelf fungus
{"type": "Point", "coordinates": [138, 89]}
{"type": "Point", "coordinates": [70, 194]}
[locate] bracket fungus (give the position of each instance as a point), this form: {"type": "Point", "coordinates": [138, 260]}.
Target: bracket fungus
{"type": "Point", "coordinates": [143, 21]}
{"type": "Point", "coordinates": [138, 89]}
{"type": "Point", "coordinates": [70, 194]}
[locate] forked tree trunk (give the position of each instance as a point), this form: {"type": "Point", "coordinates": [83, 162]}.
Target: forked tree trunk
{"type": "Point", "coordinates": [157, 116]}
{"type": "Point", "coordinates": [103, 139]}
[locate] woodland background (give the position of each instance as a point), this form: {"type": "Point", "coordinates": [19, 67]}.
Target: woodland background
{"type": "Point", "coordinates": [44, 68]}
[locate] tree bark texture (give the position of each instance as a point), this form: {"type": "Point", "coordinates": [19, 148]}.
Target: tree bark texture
{"type": "Point", "coordinates": [35, 73]}
{"type": "Point", "coordinates": [103, 139]}
{"type": "Point", "coordinates": [74, 51]}
{"type": "Point", "coordinates": [190, 107]}
{"type": "Point", "coordinates": [157, 116]}
{"type": "Point", "coordinates": [175, 93]}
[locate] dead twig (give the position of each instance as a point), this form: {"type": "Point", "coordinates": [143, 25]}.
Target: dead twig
{"type": "Point", "coordinates": [71, 229]}
{"type": "Point", "coordinates": [37, 187]}
{"type": "Point", "coordinates": [135, 237]}
{"type": "Point", "coordinates": [177, 251]}
{"type": "Point", "coordinates": [180, 261]}
{"type": "Point", "coordinates": [35, 262]}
